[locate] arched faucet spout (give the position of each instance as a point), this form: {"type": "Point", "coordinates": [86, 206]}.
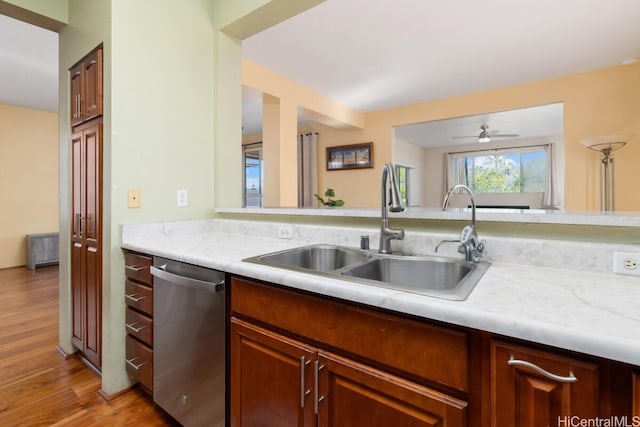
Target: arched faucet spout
{"type": "Point", "coordinates": [470, 244]}
{"type": "Point", "coordinates": [394, 205]}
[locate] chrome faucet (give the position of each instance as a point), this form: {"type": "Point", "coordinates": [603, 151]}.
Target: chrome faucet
{"type": "Point", "coordinates": [470, 244]}
{"type": "Point", "coordinates": [395, 205]}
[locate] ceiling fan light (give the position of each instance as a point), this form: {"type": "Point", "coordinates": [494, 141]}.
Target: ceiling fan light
{"type": "Point", "coordinates": [484, 139]}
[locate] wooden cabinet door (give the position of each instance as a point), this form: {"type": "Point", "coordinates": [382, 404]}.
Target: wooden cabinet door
{"type": "Point", "coordinates": [635, 410]}
{"type": "Point", "coordinates": [525, 396]}
{"type": "Point", "coordinates": [77, 253]}
{"type": "Point", "coordinates": [353, 395]}
{"type": "Point", "coordinates": [271, 379]}
{"type": "Point", "coordinates": [86, 88]}
{"type": "Point", "coordinates": [92, 73]}
{"type": "Point", "coordinates": [91, 233]}
{"type": "Point", "coordinates": [86, 240]}
{"type": "Point", "coordinates": [75, 102]}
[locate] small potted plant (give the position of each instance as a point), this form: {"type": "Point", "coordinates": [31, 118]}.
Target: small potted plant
{"type": "Point", "coordinates": [330, 203]}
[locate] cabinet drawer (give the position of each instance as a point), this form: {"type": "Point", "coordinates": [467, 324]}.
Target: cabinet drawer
{"type": "Point", "coordinates": [139, 361]}
{"type": "Point", "coordinates": [139, 326]}
{"type": "Point", "coordinates": [532, 384]}
{"type": "Point", "coordinates": [435, 354]}
{"type": "Point", "coordinates": [139, 296]}
{"type": "Point", "coordinates": [138, 267]}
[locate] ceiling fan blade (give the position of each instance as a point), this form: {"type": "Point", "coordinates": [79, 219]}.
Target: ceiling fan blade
{"type": "Point", "coordinates": [461, 137]}
{"type": "Point", "coordinates": [505, 135]}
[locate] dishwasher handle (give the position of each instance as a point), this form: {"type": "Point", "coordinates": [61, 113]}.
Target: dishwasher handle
{"type": "Point", "coordinates": [176, 279]}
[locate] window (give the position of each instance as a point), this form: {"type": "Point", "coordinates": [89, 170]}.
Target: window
{"type": "Point", "coordinates": [402, 175]}
{"type": "Point", "coordinates": [253, 164]}
{"type": "Point", "coordinates": [522, 170]}
{"type": "Point", "coordinates": [515, 177]}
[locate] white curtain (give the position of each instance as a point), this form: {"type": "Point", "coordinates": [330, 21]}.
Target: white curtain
{"type": "Point", "coordinates": [550, 196]}
{"type": "Point", "coordinates": [307, 169]}
{"type": "Point", "coordinates": [455, 171]}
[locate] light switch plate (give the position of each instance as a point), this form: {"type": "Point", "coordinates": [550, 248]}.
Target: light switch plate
{"type": "Point", "coordinates": [133, 200]}
{"type": "Point", "coordinates": [182, 198]}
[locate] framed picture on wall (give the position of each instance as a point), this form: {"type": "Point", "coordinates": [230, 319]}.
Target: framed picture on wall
{"type": "Point", "coordinates": [354, 156]}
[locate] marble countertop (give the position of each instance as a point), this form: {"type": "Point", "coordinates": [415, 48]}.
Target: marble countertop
{"type": "Point", "coordinates": [592, 313]}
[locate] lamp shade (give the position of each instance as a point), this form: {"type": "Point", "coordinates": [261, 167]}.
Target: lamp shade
{"type": "Point", "coordinates": [611, 142]}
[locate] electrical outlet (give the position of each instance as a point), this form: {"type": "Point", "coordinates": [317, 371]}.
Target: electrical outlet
{"type": "Point", "coordinates": [133, 199]}
{"type": "Point", "coordinates": [285, 232]}
{"type": "Point", "coordinates": [626, 263]}
{"type": "Point", "coordinates": [182, 198]}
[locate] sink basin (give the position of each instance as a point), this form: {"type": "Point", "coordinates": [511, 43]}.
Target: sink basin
{"type": "Point", "coordinates": [447, 278]}
{"type": "Point", "coordinates": [320, 258]}
{"type": "Point", "coordinates": [434, 276]}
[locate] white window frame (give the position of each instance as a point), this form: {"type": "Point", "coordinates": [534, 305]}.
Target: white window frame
{"type": "Point", "coordinates": [530, 200]}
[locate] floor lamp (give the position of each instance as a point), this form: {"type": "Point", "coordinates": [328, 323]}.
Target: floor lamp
{"type": "Point", "coordinates": [606, 145]}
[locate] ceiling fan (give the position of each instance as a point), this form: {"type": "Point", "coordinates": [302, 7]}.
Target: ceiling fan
{"type": "Point", "coordinates": [485, 135]}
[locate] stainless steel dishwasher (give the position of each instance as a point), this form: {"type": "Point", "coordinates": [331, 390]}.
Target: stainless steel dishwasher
{"type": "Point", "coordinates": [189, 342]}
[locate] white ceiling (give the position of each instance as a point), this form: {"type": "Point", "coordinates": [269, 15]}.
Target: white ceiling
{"type": "Point", "coordinates": [378, 54]}
{"type": "Point", "coordinates": [28, 65]}
{"type": "Point", "coordinates": [542, 121]}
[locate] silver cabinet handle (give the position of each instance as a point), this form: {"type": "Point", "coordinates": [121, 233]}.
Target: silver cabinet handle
{"type": "Point", "coordinates": [569, 379]}
{"type": "Point", "coordinates": [132, 327]}
{"type": "Point", "coordinates": [303, 389]}
{"type": "Point", "coordinates": [133, 365]}
{"type": "Point", "coordinates": [134, 297]}
{"type": "Point", "coordinates": [318, 398]}
{"type": "Point", "coordinates": [78, 225]}
{"type": "Point", "coordinates": [134, 268]}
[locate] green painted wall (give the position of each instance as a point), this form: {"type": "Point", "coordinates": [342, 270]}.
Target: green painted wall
{"type": "Point", "coordinates": [88, 26]}
{"type": "Point", "coordinates": [158, 134]}
{"type": "Point", "coordinates": [50, 14]}
{"type": "Point", "coordinates": [55, 9]}
{"type": "Point", "coordinates": [161, 135]}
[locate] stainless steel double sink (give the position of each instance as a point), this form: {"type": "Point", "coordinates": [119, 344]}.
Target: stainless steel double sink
{"type": "Point", "coordinates": [440, 277]}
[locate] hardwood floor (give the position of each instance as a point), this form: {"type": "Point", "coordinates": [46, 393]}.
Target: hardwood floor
{"type": "Point", "coordinates": [38, 387]}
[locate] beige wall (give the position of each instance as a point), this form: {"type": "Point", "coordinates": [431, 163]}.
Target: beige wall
{"type": "Point", "coordinates": [596, 103]}
{"type": "Point", "coordinates": [28, 179]}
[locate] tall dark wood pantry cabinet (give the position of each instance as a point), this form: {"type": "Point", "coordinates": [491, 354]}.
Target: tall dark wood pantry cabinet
{"type": "Point", "coordinates": [86, 219]}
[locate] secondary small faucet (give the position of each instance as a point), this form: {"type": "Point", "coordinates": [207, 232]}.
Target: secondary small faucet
{"type": "Point", "coordinates": [470, 244]}
{"type": "Point", "coordinates": [395, 205]}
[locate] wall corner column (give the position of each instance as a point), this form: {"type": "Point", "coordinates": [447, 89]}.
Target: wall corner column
{"type": "Point", "coordinates": [280, 136]}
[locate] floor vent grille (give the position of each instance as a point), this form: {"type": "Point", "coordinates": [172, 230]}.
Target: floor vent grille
{"type": "Point", "coordinates": [42, 249]}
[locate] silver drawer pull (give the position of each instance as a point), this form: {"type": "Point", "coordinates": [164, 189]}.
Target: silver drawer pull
{"type": "Point", "coordinates": [569, 379]}
{"type": "Point", "coordinates": [132, 327]}
{"type": "Point", "coordinates": [134, 268]}
{"type": "Point", "coordinates": [133, 365]}
{"type": "Point", "coordinates": [134, 297]}
{"type": "Point", "coordinates": [318, 398]}
{"type": "Point", "coordinates": [303, 389]}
